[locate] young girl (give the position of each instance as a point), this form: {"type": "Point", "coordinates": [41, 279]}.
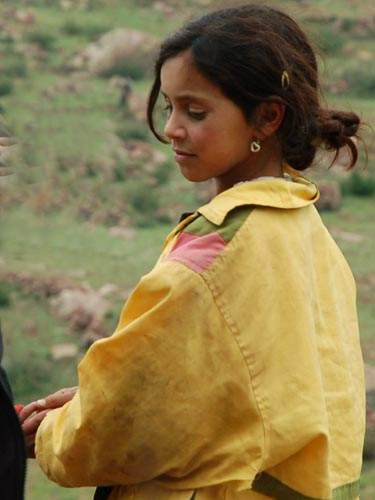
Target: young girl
{"type": "Point", "coordinates": [235, 371]}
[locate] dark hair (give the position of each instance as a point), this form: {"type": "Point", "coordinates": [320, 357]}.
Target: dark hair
{"type": "Point", "coordinates": [244, 51]}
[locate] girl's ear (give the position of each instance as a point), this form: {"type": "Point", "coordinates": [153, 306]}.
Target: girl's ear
{"type": "Point", "coordinates": [268, 118]}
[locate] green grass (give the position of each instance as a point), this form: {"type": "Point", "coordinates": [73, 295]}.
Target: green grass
{"type": "Point", "coordinates": [39, 487]}
{"type": "Point", "coordinates": [368, 481]}
{"type": "Point", "coordinates": [116, 14]}
{"type": "Point", "coordinates": [339, 8]}
{"type": "Point", "coordinates": [59, 246]}
{"type": "Point", "coordinates": [61, 123]}
{"type": "Point", "coordinates": [356, 216]}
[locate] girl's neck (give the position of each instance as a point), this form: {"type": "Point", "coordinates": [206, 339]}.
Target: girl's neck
{"type": "Point", "coordinates": [268, 164]}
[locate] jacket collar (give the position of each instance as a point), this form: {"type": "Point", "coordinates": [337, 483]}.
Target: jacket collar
{"type": "Point", "coordinates": [272, 192]}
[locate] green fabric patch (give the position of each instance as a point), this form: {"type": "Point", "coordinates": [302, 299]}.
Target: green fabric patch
{"type": "Point", "coordinates": [268, 485]}
{"type": "Point", "coordinates": [232, 223]}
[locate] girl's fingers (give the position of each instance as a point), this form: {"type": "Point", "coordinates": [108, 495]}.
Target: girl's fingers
{"type": "Point", "coordinates": [55, 400]}
{"type": "Point", "coordinates": [60, 397]}
{"type": "Point", "coordinates": [31, 408]}
{"type": "Point", "coordinates": [31, 424]}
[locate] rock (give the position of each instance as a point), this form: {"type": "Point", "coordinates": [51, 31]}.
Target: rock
{"type": "Point", "coordinates": [64, 351]}
{"type": "Point", "coordinates": [114, 48]}
{"type": "Point", "coordinates": [94, 332]}
{"type": "Point", "coordinates": [343, 235]}
{"type": "Point", "coordinates": [145, 152]}
{"type": "Point", "coordinates": [108, 289]}
{"type": "Point", "coordinates": [42, 286]}
{"type": "Point", "coordinates": [330, 196]}
{"type": "Point", "coordinates": [25, 16]}
{"type": "Point", "coordinates": [370, 378]}
{"type": "Point", "coordinates": [7, 141]}
{"type": "Point", "coordinates": [82, 308]}
{"type": "Point", "coordinates": [166, 9]}
{"type": "Point", "coordinates": [8, 148]}
{"type": "Point", "coordinates": [138, 106]}
{"type": "Point", "coordinates": [65, 86]}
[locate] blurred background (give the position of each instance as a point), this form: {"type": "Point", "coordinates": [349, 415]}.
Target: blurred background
{"type": "Point", "coordinates": [91, 194]}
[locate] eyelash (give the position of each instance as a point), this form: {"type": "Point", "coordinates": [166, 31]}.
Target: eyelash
{"type": "Point", "coordinates": [195, 115]}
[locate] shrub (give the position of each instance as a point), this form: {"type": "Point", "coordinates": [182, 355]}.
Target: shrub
{"type": "Point", "coordinates": [119, 172]}
{"type": "Point", "coordinates": [71, 27]}
{"type": "Point", "coordinates": [143, 201]}
{"type": "Point", "coordinates": [6, 41]}
{"type": "Point", "coordinates": [328, 40]}
{"type": "Point", "coordinates": [89, 31]}
{"type": "Point", "coordinates": [132, 131]}
{"type": "Point", "coordinates": [6, 86]}
{"type": "Point", "coordinates": [43, 39]}
{"type": "Point", "coordinates": [136, 69]}
{"type": "Point", "coordinates": [14, 66]}
{"type": "Point", "coordinates": [94, 31]}
{"type": "Point", "coordinates": [4, 295]}
{"type": "Point", "coordinates": [361, 79]}
{"type": "Point", "coordinates": [358, 184]}
{"type": "Point", "coordinates": [163, 172]}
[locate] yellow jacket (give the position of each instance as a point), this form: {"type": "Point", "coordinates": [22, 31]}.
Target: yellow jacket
{"type": "Point", "coordinates": [235, 371]}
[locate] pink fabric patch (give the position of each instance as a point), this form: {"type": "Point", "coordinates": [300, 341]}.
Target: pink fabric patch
{"type": "Point", "coordinates": [197, 252]}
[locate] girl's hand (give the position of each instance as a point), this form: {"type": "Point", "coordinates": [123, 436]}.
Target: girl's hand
{"type": "Point", "coordinates": [55, 400]}
{"type": "Point", "coordinates": [32, 414]}
{"type": "Point", "coordinates": [29, 428]}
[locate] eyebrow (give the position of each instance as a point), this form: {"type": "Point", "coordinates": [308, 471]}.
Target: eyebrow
{"type": "Point", "coordinates": [187, 95]}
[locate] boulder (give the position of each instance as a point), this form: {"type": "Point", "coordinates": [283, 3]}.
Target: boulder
{"type": "Point", "coordinates": [330, 196]}
{"type": "Point", "coordinates": [66, 350]}
{"type": "Point", "coordinates": [116, 47]}
{"type": "Point", "coordinates": [346, 236]}
{"type": "Point", "coordinates": [81, 308]}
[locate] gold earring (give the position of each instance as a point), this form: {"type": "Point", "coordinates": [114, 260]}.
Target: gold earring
{"type": "Point", "coordinates": [255, 146]}
{"type": "Point", "coordinates": [285, 80]}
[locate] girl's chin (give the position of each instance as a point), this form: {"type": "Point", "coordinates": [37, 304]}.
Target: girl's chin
{"type": "Point", "coordinates": [194, 175]}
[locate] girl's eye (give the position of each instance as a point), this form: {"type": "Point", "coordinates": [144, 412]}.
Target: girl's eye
{"type": "Point", "coordinates": [196, 115]}
{"type": "Point", "coordinates": [191, 112]}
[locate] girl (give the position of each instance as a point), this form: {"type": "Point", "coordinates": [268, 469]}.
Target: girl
{"type": "Point", "coordinates": [235, 371]}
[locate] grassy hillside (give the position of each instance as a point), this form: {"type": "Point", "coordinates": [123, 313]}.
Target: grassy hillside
{"type": "Point", "coordinates": [78, 176]}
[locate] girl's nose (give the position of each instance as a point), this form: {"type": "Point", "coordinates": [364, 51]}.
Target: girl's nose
{"type": "Point", "coordinates": [173, 129]}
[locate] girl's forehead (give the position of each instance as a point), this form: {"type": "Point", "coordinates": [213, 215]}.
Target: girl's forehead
{"type": "Point", "coordinates": [180, 77]}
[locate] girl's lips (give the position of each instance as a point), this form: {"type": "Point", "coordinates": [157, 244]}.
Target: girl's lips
{"type": "Point", "coordinates": [182, 155]}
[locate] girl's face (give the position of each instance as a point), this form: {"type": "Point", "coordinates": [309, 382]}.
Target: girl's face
{"type": "Point", "coordinates": [208, 132]}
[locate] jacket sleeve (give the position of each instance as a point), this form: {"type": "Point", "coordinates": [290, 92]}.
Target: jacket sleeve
{"type": "Point", "coordinates": [165, 394]}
